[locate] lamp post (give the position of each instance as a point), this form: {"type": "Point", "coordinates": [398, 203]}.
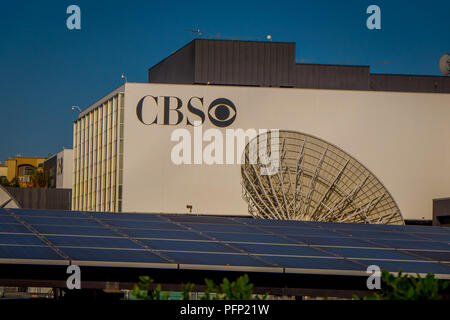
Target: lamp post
{"type": "Point", "coordinates": [76, 107]}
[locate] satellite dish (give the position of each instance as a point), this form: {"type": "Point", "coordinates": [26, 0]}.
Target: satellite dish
{"type": "Point", "coordinates": [444, 64]}
{"type": "Point", "coordinates": [333, 187]}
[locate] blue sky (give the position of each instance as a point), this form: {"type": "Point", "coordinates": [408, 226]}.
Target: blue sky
{"type": "Point", "coordinates": [46, 68]}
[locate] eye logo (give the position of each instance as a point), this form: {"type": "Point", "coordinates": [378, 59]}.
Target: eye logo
{"type": "Point", "coordinates": [222, 112]}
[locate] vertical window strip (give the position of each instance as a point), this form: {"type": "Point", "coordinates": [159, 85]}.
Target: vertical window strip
{"type": "Point", "coordinates": [86, 161]}
{"type": "Point", "coordinates": [94, 159]}
{"type": "Point", "coordinates": [105, 116]}
{"type": "Point", "coordinates": [121, 142]}
{"type": "Point", "coordinates": [74, 166]}
{"type": "Point", "coordinates": [83, 120]}
{"type": "Point", "coordinates": [91, 156]}
{"type": "Point", "coordinates": [113, 155]}
{"type": "Point", "coordinates": [79, 164]}
{"type": "Point", "coordinates": [99, 162]}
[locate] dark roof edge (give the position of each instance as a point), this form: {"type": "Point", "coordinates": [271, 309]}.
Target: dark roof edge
{"type": "Point", "coordinates": [407, 75]}
{"type": "Point", "coordinates": [205, 39]}
{"type": "Point", "coordinates": [333, 65]}
{"type": "Point", "coordinates": [173, 53]}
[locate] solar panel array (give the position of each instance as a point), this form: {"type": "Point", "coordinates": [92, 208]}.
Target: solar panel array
{"type": "Point", "coordinates": [218, 243]}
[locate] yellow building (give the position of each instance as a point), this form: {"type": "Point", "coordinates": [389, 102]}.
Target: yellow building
{"type": "Point", "coordinates": [3, 171]}
{"type": "Point", "coordinates": [21, 168]}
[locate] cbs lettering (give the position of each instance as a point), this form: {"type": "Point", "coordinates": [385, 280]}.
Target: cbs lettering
{"type": "Point", "coordinates": [170, 110]}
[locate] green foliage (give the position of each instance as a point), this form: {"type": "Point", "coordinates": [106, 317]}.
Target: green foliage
{"type": "Point", "coordinates": [5, 183]}
{"type": "Point", "coordinates": [241, 289]}
{"type": "Point", "coordinates": [38, 179]}
{"type": "Point", "coordinates": [14, 183]}
{"type": "Point", "coordinates": [405, 287]}
{"type": "Point", "coordinates": [142, 291]}
{"type": "Point", "coordinates": [186, 290]}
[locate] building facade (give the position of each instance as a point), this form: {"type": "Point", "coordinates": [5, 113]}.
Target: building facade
{"type": "Point", "coordinates": [3, 172]}
{"type": "Point", "coordinates": [98, 155]}
{"type": "Point", "coordinates": [123, 144]}
{"type": "Point", "coordinates": [21, 168]}
{"type": "Point", "coordinates": [58, 169]}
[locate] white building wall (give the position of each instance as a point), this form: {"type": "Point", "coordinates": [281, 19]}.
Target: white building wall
{"type": "Point", "coordinates": [64, 169]}
{"type": "Point", "coordinates": [401, 137]}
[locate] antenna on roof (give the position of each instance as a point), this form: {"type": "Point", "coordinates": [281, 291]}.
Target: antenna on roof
{"type": "Point", "coordinates": [195, 32]}
{"type": "Point", "coordinates": [386, 63]}
{"type": "Point", "coordinates": [229, 37]}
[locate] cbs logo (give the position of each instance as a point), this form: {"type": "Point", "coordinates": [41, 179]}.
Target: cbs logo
{"type": "Point", "coordinates": [170, 110]}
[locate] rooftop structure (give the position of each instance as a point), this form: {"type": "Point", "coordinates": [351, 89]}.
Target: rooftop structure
{"type": "Point", "coordinates": [273, 64]}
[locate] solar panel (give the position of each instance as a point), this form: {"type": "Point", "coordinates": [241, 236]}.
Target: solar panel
{"type": "Point", "coordinates": [442, 256]}
{"type": "Point", "coordinates": [433, 236]}
{"type": "Point", "coordinates": [75, 231]}
{"type": "Point", "coordinates": [17, 239]}
{"type": "Point", "coordinates": [219, 259]}
{"type": "Point", "coordinates": [28, 252]}
{"type": "Point", "coordinates": [373, 254]}
{"type": "Point", "coordinates": [57, 221]}
{"type": "Point", "coordinates": [199, 246]}
{"type": "Point", "coordinates": [99, 242]}
{"type": "Point", "coordinates": [13, 228]}
{"type": "Point", "coordinates": [413, 244]}
{"type": "Point", "coordinates": [301, 231]}
{"type": "Point", "coordinates": [221, 227]}
{"type": "Point", "coordinates": [142, 224]}
{"type": "Point", "coordinates": [381, 235]}
{"type": "Point", "coordinates": [332, 241]}
{"type": "Point", "coordinates": [279, 249]}
{"type": "Point", "coordinates": [91, 254]}
{"type": "Point", "coordinates": [251, 238]}
{"type": "Point", "coordinates": [314, 263]}
{"type": "Point", "coordinates": [7, 219]}
{"type": "Point", "coordinates": [205, 242]}
{"type": "Point", "coordinates": [162, 234]}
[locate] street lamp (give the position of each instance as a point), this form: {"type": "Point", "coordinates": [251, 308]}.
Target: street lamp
{"type": "Point", "coordinates": [76, 107]}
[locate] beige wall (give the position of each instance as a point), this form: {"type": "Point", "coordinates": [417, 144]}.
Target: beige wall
{"type": "Point", "coordinates": [403, 138]}
{"type": "Point", "coordinates": [3, 171]}
{"type": "Point", "coordinates": [64, 169]}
